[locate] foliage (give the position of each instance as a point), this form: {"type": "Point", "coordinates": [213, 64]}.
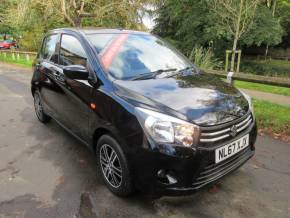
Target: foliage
{"type": "Point", "coordinates": [204, 58]}
{"type": "Point", "coordinates": [5, 28]}
{"type": "Point", "coordinates": [190, 23]}
{"type": "Point", "coordinates": [283, 13]}
{"type": "Point", "coordinates": [30, 41]}
{"type": "Point", "coordinates": [263, 87]}
{"type": "Point", "coordinates": [30, 19]}
{"type": "Point", "coordinates": [99, 12]}
{"type": "Point", "coordinates": [265, 29]}
{"type": "Point", "coordinates": [266, 68]}
{"type": "Point", "coordinates": [187, 23]}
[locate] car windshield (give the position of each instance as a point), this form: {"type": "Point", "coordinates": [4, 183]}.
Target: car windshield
{"type": "Point", "coordinates": [129, 55]}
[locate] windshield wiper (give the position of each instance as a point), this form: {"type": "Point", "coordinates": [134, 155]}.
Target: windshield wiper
{"type": "Point", "coordinates": [152, 74]}
{"type": "Point", "coordinates": [181, 71]}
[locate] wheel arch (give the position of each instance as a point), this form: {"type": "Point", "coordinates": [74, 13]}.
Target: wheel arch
{"type": "Point", "coordinates": [98, 133]}
{"type": "Point", "coordinates": [33, 89]}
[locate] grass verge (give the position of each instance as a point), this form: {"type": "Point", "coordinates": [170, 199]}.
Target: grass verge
{"type": "Point", "coordinates": [263, 87]}
{"type": "Point", "coordinates": [20, 62]}
{"type": "Point", "coordinates": [273, 118]}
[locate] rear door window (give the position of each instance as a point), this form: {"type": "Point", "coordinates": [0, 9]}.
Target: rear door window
{"type": "Point", "coordinates": [71, 52]}
{"type": "Point", "coordinates": [48, 51]}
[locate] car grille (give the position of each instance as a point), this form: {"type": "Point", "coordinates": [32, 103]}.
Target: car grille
{"type": "Point", "coordinates": [212, 172]}
{"type": "Point", "coordinates": [218, 134]}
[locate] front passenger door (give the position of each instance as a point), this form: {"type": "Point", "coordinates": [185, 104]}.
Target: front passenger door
{"type": "Point", "coordinates": [77, 92]}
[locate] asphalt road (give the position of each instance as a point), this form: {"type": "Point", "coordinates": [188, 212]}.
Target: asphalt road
{"type": "Point", "coordinates": [44, 172]}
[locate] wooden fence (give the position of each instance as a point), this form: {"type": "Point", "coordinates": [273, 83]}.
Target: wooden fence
{"type": "Point", "coordinates": [17, 55]}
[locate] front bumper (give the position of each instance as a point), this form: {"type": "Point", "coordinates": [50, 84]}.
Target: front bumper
{"type": "Point", "coordinates": [191, 170]}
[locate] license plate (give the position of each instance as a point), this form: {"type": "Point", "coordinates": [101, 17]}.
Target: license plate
{"type": "Point", "coordinates": [231, 149]}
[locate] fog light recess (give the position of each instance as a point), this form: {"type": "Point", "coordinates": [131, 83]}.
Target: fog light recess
{"type": "Point", "coordinates": [166, 177]}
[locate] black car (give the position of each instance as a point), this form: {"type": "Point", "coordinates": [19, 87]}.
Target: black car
{"type": "Point", "coordinates": [155, 122]}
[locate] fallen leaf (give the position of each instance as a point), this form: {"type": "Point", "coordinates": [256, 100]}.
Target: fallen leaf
{"type": "Point", "coordinates": [82, 161]}
{"type": "Point", "coordinates": [60, 180]}
{"type": "Point", "coordinates": [213, 189]}
{"type": "Point", "coordinates": [255, 166]}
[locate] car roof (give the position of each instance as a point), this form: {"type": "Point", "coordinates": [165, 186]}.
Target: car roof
{"type": "Point", "coordinates": [88, 31]}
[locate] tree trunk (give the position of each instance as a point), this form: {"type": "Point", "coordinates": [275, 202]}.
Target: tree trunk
{"type": "Point", "coordinates": [234, 54]}
{"type": "Point", "coordinates": [274, 4]}
{"type": "Point", "coordinates": [274, 8]}
{"type": "Point", "coordinates": [78, 22]}
{"type": "Point", "coordinates": [236, 36]}
{"type": "Point", "coordinates": [266, 51]}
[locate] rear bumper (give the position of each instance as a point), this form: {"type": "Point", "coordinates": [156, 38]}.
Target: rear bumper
{"type": "Point", "coordinates": [191, 170]}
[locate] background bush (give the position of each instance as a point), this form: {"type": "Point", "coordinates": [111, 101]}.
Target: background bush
{"type": "Point", "coordinates": [204, 58]}
{"type": "Point", "coordinates": [266, 67]}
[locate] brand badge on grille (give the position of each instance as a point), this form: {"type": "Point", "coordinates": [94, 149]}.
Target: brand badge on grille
{"type": "Point", "coordinates": [234, 131]}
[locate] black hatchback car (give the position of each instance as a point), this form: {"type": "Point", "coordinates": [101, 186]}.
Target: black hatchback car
{"type": "Point", "coordinates": [155, 122]}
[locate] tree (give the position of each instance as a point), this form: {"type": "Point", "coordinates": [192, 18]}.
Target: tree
{"type": "Point", "coordinates": [187, 24]}
{"type": "Point", "coordinates": [32, 18]}
{"type": "Point", "coordinates": [283, 14]}
{"type": "Point", "coordinates": [272, 5]}
{"type": "Point", "coordinates": [75, 11]}
{"type": "Point", "coordinates": [4, 27]}
{"type": "Point", "coordinates": [237, 17]}
{"type": "Point", "coordinates": [265, 29]}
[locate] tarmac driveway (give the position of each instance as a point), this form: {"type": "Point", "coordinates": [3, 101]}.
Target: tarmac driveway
{"type": "Point", "coordinates": [44, 172]}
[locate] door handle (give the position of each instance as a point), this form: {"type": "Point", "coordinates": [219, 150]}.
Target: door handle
{"type": "Point", "coordinates": [58, 76]}
{"type": "Point", "coordinates": [56, 73]}
{"type": "Point", "coordinates": [37, 66]}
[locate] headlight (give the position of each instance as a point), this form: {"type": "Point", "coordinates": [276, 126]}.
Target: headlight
{"type": "Point", "coordinates": [166, 129]}
{"type": "Point", "coordinates": [249, 99]}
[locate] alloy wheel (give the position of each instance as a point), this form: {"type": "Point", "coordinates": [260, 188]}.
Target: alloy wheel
{"type": "Point", "coordinates": [38, 106]}
{"type": "Point", "coordinates": [111, 166]}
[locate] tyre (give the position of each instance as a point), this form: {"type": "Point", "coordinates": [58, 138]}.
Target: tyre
{"type": "Point", "coordinates": [38, 107]}
{"type": "Point", "coordinates": [113, 166]}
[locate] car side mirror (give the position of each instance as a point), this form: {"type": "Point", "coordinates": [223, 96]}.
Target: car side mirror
{"type": "Point", "coordinates": [76, 72]}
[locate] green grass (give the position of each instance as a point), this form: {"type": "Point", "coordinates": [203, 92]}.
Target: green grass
{"type": "Point", "coordinates": [272, 116]}
{"type": "Point", "coordinates": [263, 87]}
{"type": "Point", "coordinates": [21, 61]}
